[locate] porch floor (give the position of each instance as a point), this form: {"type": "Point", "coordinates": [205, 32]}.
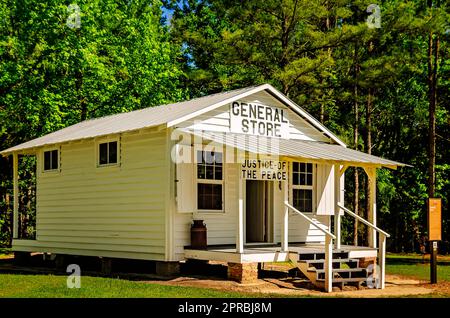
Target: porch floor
{"type": "Point", "coordinates": [269, 252]}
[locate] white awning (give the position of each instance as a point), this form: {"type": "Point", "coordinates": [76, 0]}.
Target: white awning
{"type": "Point", "coordinates": [314, 151]}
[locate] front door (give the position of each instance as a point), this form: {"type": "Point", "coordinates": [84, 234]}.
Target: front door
{"type": "Point", "coordinates": [258, 220]}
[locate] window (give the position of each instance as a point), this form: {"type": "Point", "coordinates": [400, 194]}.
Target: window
{"type": "Point", "coordinates": [50, 160]}
{"type": "Point", "coordinates": [302, 186]}
{"type": "Point", "coordinates": [209, 181]}
{"type": "Point", "coordinates": [107, 153]}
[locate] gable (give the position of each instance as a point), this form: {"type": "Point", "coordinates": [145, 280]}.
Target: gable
{"type": "Point", "coordinates": [290, 126]}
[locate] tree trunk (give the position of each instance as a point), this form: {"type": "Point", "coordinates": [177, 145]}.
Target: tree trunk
{"type": "Point", "coordinates": [356, 173]}
{"type": "Point", "coordinates": [368, 143]}
{"type": "Point", "coordinates": [433, 56]}
{"type": "Point", "coordinates": [355, 142]}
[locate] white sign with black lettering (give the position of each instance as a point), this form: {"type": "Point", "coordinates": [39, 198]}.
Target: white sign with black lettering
{"type": "Point", "coordinates": [261, 169]}
{"type": "Point", "coordinates": [258, 119]}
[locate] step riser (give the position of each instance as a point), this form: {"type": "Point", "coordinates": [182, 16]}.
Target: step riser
{"type": "Point", "coordinates": [321, 256]}
{"type": "Point", "coordinates": [336, 264]}
{"type": "Point", "coordinates": [344, 275]}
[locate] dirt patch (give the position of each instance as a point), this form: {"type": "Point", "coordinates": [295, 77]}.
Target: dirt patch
{"type": "Point", "coordinates": [395, 287]}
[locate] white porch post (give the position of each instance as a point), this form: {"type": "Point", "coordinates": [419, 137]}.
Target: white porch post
{"type": "Point", "coordinates": [328, 264]}
{"type": "Point", "coordinates": [16, 195]}
{"type": "Point", "coordinates": [240, 223]}
{"type": "Point", "coordinates": [339, 198]}
{"type": "Point", "coordinates": [372, 213]}
{"type": "Point", "coordinates": [382, 259]}
{"type": "Point", "coordinates": [285, 226]}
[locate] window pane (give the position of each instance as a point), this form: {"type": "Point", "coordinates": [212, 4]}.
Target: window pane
{"type": "Point", "coordinates": [103, 156]}
{"type": "Point", "coordinates": [310, 167]}
{"type": "Point", "coordinates": [218, 158]}
{"type": "Point", "coordinates": [47, 160]}
{"type": "Point", "coordinates": [209, 157]}
{"type": "Point", "coordinates": [209, 196]}
{"type": "Point", "coordinates": [295, 178]}
{"type": "Point", "coordinates": [209, 172]}
{"type": "Point", "coordinates": [295, 167]}
{"type": "Point", "coordinates": [113, 152]}
{"type": "Point", "coordinates": [54, 161]}
{"type": "Point", "coordinates": [199, 156]}
{"type": "Point", "coordinates": [218, 173]}
{"type": "Point", "coordinates": [302, 200]}
{"type": "Point", "coordinates": [302, 179]}
{"type": "Point", "coordinates": [200, 171]}
{"type": "Point", "coordinates": [302, 167]}
{"type": "Point", "coordinates": [309, 180]}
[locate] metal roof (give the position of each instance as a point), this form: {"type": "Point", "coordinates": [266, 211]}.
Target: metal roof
{"type": "Point", "coordinates": [314, 151]}
{"type": "Point", "coordinates": [118, 123]}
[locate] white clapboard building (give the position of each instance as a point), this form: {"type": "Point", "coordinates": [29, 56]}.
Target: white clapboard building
{"type": "Point", "coordinates": [266, 178]}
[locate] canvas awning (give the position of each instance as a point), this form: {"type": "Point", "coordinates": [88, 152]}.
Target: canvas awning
{"type": "Point", "coordinates": [314, 151]}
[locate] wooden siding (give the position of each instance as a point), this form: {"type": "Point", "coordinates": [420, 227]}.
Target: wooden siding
{"type": "Point", "coordinates": [221, 227]}
{"type": "Point", "coordinates": [219, 119]}
{"type": "Point", "coordinates": [113, 211]}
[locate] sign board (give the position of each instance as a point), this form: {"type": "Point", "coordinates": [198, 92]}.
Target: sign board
{"type": "Point", "coordinates": [262, 169]}
{"type": "Point", "coordinates": [434, 219]}
{"type": "Point", "coordinates": [259, 120]}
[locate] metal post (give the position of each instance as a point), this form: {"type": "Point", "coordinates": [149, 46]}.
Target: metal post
{"type": "Point", "coordinates": [433, 262]}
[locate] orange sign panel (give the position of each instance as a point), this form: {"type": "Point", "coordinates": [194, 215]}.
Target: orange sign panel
{"type": "Point", "coordinates": [434, 219]}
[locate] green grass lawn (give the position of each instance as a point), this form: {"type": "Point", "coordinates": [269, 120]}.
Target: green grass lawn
{"type": "Point", "coordinates": [43, 286]}
{"type": "Point", "coordinates": [414, 266]}
{"type": "Point", "coordinates": [5, 252]}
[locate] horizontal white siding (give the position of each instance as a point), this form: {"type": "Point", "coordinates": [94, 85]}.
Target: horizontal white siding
{"type": "Point", "coordinates": [221, 227]}
{"type": "Point", "coordinates": [116, 211]}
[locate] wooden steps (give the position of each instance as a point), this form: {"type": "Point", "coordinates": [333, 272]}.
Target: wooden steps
{"type": "Point", "coordinates": [345, 270]}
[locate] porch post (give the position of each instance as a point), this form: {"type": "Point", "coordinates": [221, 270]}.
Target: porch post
{"type": "Point", "coordinates": [382, 260]}
{"type": "Point", "coordinates": [285, 226]}
{"type": "Point", "coordinates": [339, 198]}
{"type": "Point", "coordinates": [240, 223]}
{"type": "Point", "coordinates": [16, 195]}
{"type": "Point", "coordinates": [372, 213]}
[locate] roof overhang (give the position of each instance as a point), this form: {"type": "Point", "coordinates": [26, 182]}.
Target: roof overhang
{"type": "Point", "coordinates": [310, 151]}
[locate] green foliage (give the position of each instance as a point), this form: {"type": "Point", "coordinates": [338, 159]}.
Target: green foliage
{"type": "Point", "coordinates": [322, 54]}
{"type": "Point", "coordinates": [53, 75]}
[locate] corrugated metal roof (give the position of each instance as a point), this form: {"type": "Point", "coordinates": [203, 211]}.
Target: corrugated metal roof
{"type": "Point", "coordinates": [317, 151]}
{"type": "Point", "coordinates": [144, 118]}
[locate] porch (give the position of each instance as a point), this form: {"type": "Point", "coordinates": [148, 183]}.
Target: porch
{"type": "Point", "coordinates": [265, 253]}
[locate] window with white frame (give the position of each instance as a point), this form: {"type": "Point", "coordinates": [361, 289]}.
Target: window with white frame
{"type": "Point", "coordinates": [51, 160]}
{"type": "Point", "coordinates": [303, 186]}
{"type": "Point", "coordinates": [107, 153]}
{"type": "Point", "coordinates": [209, 181]}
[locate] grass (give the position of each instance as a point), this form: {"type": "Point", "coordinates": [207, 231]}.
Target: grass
{"type": "Point", "coordinates": [414, 266]}
{"type": "Point", "coordinates": [45, 286]}
{"type": "Point", "coordinates": [49, 286]}
{"type": "Point", "coordinates": [5, 252]}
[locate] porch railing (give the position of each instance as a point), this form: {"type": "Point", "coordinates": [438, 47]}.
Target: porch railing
{"type": "Point", "coordinates": [328, 266]}
{"type": "Point", "coordinates": [382, 235]}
